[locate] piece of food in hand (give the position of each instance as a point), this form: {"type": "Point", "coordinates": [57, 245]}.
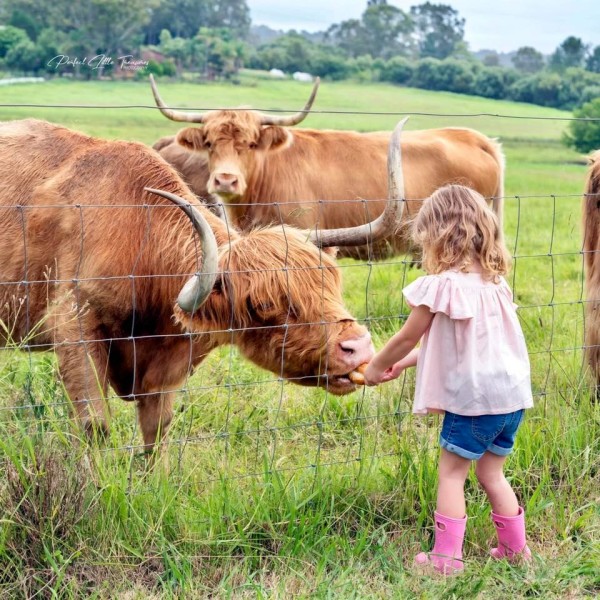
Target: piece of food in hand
{"type": "Point", "coordinates": [357, 376]}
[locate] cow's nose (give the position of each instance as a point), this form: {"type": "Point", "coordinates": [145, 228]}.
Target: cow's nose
{"type": "Point", "coordinates": [357, 350]}
{"type": "Point", "coordinates": [226, 180]}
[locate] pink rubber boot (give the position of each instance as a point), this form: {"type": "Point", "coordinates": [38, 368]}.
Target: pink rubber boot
{"type": "Point", "coordinates": [511, 537]}
{"type": "Point", "coordinates": [446, 556]}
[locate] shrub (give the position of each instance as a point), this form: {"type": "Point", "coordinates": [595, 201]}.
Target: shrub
{"type": "Point", "coordinates": [584, 136]}
{"type": "Point", "coordinates": [426, 74]}
{"type": "Point", "coordinates": [456, 76]}
{"type": "Point", "coordinates": [396, 70]}
{"type": "Point", "coordinates": [490, 83]}
{"type": "Point", "coordinates": [331, 66]}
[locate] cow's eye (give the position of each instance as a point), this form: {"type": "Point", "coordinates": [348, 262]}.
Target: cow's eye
{"type": "Point", "coordinates": [253, 145]}
{"type": "Point", "coordinates": [207, 145]}
{"type": "Point", "coordinates": [260, 311]}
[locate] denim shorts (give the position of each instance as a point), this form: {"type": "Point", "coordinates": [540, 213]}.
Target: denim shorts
{"type": "Point", "coordinates": [471, 437]}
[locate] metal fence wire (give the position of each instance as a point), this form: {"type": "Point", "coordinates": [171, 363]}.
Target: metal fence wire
{"type": "Point", "coordinates": [236, 421]}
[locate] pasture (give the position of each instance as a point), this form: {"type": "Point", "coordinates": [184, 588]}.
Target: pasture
{"type": "Point", "coordinates": [277, 491]}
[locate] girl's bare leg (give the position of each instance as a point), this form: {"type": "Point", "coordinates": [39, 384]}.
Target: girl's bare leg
{"type": "Point", "coordinates": [490, 474]}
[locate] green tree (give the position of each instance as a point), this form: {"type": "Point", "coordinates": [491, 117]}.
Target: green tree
{"type": "Point", "coordinates": [438, 29]}
{"type": "Point", "coordinates": [590, 92]}
{"type": "Point", "coordinates": [571, 53]}
{"type": "Point", "coordinates": [91, 27]}
{"type": "Point", "coordinates": [491, 60]}
{"type": "Point", "coordinates": [289, 52]}
{"type": "Point", "coordinates": [181, 18]}
{"type": "Point", "coordinates": [387, 30]}
{"type": "Point", "coordinates": [350, 36]}
{"type": "Point", "coordinates": [24, 57]}
{"type": "Point", "coordinates": [184, 18]}
{"type": "Point", "coordinates": [528, 60]}
{"type": "Point", "coordinates": [32, 57]}
{"type": "Point", "coordinates": [230, 14]}
{"type": "Point", "coordinates": [383, 31]}
{"type": "Point", "coordinates": [24, 21]}
{"type": "Point", "coordinates": [177, 48]}
{"type": "Point", "coordinates": [223, 55]}
{"type": "Point", "coordinates": [593, 60]}
{"type": "Point", "coordinates": [584, 136]}
{"type": "Point", "coordinates": [10, 37]}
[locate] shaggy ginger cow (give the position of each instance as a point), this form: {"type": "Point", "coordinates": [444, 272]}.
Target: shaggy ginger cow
{"type": "Point", "coordinates": [591, 249]}
{"type": "Point", "coordinates": [265, 172]}
{"type": "Point", "coordinates": [92, 262]}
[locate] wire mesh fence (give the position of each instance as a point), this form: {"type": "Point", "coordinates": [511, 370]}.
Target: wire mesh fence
{"type": "Point", "coordinates": [236, 421]}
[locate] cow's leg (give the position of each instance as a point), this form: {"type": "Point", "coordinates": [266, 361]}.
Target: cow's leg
{"type": "Point", "coordinates": [155, 412]}
{"type": "Point", "coordinates": [162, 378]}
{"type": "Point", "coordinates": [82, 367]}
{"type": "Point", "coordinates": [83, 364]}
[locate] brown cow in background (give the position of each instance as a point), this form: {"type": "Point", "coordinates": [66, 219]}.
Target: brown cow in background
{"type": "Point", "coordinates": [591, 249]}
{"type": "Point", "coordinates": [267, 173]}
{"type": "Point", "coordinates": [91, 263]}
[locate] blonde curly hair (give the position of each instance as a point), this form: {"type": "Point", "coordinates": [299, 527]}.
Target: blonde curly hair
{"type": "Point", "coordinates": [455, 229]}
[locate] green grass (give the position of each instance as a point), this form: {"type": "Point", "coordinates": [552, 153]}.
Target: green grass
{"type": "Point", "coordinates": [275, 491]}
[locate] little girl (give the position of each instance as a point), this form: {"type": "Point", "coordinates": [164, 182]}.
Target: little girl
{"type": "Point", "coordinates": [472, 366]}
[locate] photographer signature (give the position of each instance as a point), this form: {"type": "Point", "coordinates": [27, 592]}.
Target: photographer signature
{"type": "Point", "coordinates": [127, 62]}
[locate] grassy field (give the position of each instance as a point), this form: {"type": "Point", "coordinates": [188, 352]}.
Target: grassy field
{"type": "Point", "coordinates": [275, 491]}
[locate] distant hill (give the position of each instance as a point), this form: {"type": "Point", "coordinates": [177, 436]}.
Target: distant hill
{"type": "Point", "coordinates": [262, 34]}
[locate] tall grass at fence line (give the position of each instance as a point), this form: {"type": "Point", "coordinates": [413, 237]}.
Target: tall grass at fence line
{"type": "Point", "coordinates": [273, 490]}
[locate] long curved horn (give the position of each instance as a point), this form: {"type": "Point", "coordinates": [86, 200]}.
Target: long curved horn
{"type": "Point", "coordinates": [387, 222]}
{"type": "Point", "coordinates": [197, 289]}
{"type": "Point", "coordinates": [174, 115]}
{"type": "Point", "coordinates": [293, 119]}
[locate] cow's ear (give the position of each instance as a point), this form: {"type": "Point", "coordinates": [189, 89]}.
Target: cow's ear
{"type": "Point", "coordinates": [191, 138]}
{"type": "Point", "coordinates": [274, 138]}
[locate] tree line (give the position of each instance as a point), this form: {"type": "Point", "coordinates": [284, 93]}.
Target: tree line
{"type": "Point", "coordinates": [423, 47]}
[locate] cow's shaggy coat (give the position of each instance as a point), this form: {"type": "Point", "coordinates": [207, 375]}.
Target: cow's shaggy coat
{"type": "Point", "coordinates": [91, 265]}
{"type": "Point", "coordinates": [591, 249]}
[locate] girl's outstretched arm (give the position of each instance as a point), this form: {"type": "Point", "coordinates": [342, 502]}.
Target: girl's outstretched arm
{"type": "Point", "coordinates": [384, 365]}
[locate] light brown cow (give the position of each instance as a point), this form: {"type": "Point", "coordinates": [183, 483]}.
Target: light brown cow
{"type": "Point", "coordinates": [91, 263]}
{"type": "Point", "coordinates": [591, 249]}
{"type": "Point", "coordinates": [267, 173]}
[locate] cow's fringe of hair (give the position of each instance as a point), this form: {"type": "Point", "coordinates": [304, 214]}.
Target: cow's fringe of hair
{"type": "Point", "coordinates": [262, 271]}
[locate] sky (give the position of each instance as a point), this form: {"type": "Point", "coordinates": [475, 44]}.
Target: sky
{"type": "Point", "coordinates": [502, 25]}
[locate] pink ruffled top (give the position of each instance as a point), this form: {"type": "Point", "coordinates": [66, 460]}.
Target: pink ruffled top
{"type": "Point", "coordinates": [473, 358]}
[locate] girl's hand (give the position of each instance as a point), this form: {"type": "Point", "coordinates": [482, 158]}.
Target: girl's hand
{"type": "Point", "coordinates": [400, 351]}
{"type": "Point", "coordinates": [393, 372]}
{"type": "Point", "coordinates": [375, 376]}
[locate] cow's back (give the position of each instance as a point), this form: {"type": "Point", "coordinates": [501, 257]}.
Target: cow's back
{"type": "Point", "coordinates": [30, 154]}
{"type": "Point", "coordinates": [437, 157]}
{"type": "Point", "coordinates": [70, 213]}
{"type": "Point", "coordinates": [347, 171]}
